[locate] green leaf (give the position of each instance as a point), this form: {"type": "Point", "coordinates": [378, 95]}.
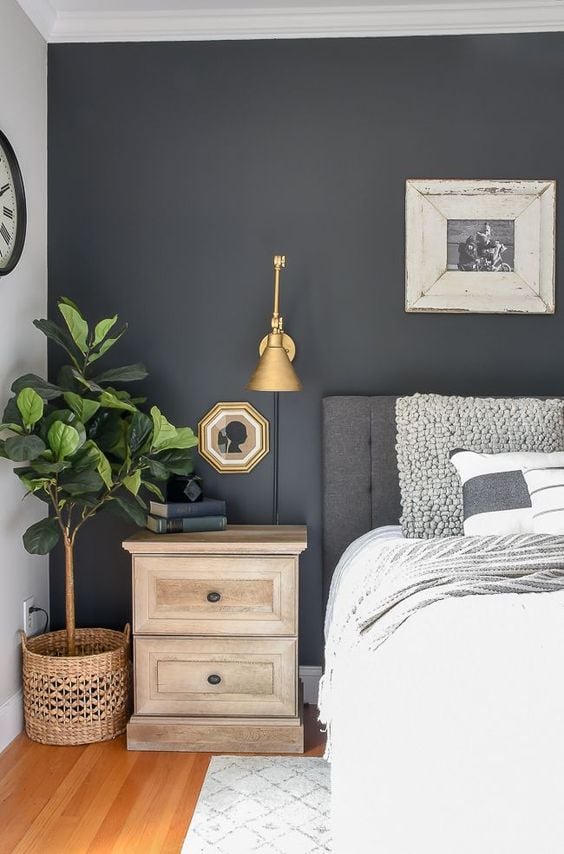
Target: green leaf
{"type": "Point", "coordinates": [127, 374]}
{"type": "Point", "coordinates": [166, 435]}
{"type": "Point", "coordinates": [66, 378]}
{"type": "Point", "coordinates": [82, 407]}
{"type": "Point", "coordinates": [80, 483]}
{"type": "Point", "coordinates": [77, 325]}
{"type": "Point", "coordinates": [139, 433]}
{"type": "Point", "coordinates": [43, 467]}
{"type": "Point", "coordinates": [86, 458]}
{"type": "Point", "coordinates": [132, 482]}
{"type": "Point", "coordinates": [15, 428]}
{"type": "Point", "coordinates": [102, 328]}
{"type": "Point", "coordinates": [89, 384]}
{"type": "Point", "coordinates": [183, 439]}
{"type": "Point", "coordinates": [12, 414]}
{"type": "Point", "coordinates": [68, 301]}
{"type": "Point", "coordinates": [31, 406]}
{"type": "Point", "coordinates": [91, 458]}
{"type": "Point", "coordinates": [177, 460]}
{"type": "Point", "coordinates": [107, 344]}
{"type": "Point", "coordinates": [42, 537]}
{"type": "Point", "coordinates": [67, 417]}
{"type": "Point", "coordinates": [45, 390]}
{"type": "Point", "coordinates": [105, 469]}
{"type": "Point", "coordinates": [110, 401]}
{"type": "Point", "coordinates": [120, 449]}
{"type": "Point", "coordinates": [35, 484]}
{"type": "Point", "coordinates": [53, 331]}
{"type": "Point", "coordinates": [22, 448]}
{"type": "Point", "coordinates": [151, 487]}
{"type": "Point", "coordinates": [163, 430]}
{"type": "Point", "coordinates": [106, 429]}
{"type": "Point", "coordinates": [157, 469]}
{"type": "Point", "coordinates": [128, 510]}
{"type": "Point", "coordinates": [63, 439]}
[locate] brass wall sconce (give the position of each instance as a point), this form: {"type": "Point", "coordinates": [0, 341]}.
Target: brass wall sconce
{"type": "Point", "coordinates": [275, 372]}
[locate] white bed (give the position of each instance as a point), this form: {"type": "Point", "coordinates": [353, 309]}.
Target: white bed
{"type": "Point", "coordinates": [449, 738]}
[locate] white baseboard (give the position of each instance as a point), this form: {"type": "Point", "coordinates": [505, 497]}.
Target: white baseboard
{"type": "Point", "coordinates": [310, 676]}
{"type": "Point", "coordinates": [11, 719]}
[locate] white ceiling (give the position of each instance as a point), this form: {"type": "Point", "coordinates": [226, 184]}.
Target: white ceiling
{"type": "Point", "coordinates": [197, 20]}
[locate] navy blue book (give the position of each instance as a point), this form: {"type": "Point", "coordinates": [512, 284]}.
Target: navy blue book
{"type": "Point", "coordinates": [188, 509]}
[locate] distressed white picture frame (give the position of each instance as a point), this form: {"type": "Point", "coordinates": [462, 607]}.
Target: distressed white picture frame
{"type": "Point", "coordinates": [430, 286]}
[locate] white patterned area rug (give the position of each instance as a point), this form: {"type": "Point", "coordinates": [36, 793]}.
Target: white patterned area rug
{"type": "Point", "coordinates": [262, 804]}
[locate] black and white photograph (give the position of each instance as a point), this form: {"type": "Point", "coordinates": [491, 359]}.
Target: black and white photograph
{"type": "Point", "coordinates": [478, 246]}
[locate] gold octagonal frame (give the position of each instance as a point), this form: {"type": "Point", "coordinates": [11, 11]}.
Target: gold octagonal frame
{"type": "Point", "coordinates": [250, 450]}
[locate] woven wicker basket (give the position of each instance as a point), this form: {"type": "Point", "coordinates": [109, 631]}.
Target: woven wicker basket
{"type": "Point", "coordinates": [76, 699]}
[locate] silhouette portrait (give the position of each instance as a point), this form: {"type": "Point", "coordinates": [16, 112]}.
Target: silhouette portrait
{"type": "Point", "coordinates": [236, 434]}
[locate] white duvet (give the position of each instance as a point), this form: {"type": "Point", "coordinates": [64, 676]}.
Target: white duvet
{"type": "Point", "coordinates": [449, 738]}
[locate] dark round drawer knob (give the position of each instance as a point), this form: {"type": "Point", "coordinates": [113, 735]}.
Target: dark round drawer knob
{"type": "Point", "coordinates": [214, 597]}
{"type": "Point", "coordinates": [214, 679]}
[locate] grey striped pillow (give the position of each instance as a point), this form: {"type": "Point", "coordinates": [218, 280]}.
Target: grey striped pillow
{"type": "Point", "coordinates": [546, 491]}
{"type": "Point", "coordinates": [495, 495]}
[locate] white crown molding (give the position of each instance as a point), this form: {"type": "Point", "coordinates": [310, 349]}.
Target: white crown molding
{"type": "Point", "coordinates": [42, 14]}
{"type": "Point", "coordinates": [405, 19]}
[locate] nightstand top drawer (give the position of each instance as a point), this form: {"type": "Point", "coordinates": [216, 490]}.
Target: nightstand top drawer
{"type": "Point", "coordinates": [217, 595]}
{"type": "Point", "coordinates": [236, 539]}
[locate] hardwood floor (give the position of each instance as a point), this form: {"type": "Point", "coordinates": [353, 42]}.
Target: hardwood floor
{"type": "Point", "coordinates": [102, 799]}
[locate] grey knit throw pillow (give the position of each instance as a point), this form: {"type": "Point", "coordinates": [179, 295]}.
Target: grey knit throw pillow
{"type": "Point", "coordinates": [429, 426]}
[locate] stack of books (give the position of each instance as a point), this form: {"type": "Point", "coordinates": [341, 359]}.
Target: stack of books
{"type": "Point", "coordinates": [177, 517]}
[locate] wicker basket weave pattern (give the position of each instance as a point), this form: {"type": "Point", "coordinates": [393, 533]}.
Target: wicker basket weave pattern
{"type": "Point", "coordinates": [76, 699]}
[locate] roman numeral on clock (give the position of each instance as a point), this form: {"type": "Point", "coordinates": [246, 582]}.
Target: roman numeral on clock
{"type": "Point", "coordinates": [4, 188]}
{"type": "Point", "coordinates": [8, 212]}
{"type": "Point", "coordinates": [5, 233]}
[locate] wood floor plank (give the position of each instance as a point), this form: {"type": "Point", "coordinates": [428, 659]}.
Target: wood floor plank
{"type": "Point", "coordinates": [30, 774]}
{"type": "Point", "coordinates": [38, 833]}
{"type": "Point", "coordinates": [101, 798]}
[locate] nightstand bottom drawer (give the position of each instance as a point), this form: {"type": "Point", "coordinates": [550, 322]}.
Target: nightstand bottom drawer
{"type": "Point", "coordinates": [216, 676]}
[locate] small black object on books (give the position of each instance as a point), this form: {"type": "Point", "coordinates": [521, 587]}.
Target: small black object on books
{"type": "Point", "coordinates": [184, 488]}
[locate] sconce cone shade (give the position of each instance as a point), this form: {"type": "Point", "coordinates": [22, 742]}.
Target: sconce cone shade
{"type": "Point", "coordinates": [274, 371]}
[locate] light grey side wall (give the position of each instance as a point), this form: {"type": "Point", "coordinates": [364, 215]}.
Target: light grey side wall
{"type": "Point", "coordinates": [23, 296]}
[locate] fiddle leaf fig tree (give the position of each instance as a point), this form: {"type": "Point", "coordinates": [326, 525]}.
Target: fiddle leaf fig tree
{"type": "Point", "coordinates": [86, 444]}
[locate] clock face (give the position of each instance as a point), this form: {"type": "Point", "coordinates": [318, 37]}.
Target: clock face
{"type": "Point", "coordinates": [12, 208]}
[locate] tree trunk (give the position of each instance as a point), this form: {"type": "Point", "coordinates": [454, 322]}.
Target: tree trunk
{"type": "Point", "coordinates": [69, 595]}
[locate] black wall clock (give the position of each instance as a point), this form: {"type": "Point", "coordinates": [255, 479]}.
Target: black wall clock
{"type": "Point", "coordinates": [12, 208]}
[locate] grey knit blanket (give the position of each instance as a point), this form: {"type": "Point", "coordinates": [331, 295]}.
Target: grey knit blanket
{"type": "Point", "coordinates": [386, 582]}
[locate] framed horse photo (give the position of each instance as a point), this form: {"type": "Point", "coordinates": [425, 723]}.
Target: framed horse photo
{"type": "Point", "coordinates": [480, 246]}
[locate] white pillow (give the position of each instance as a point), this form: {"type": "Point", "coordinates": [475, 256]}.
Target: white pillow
{"type": "Point", "coordinates": [495, 496]}
{"type": "Point", "coordinates": [546, 490]}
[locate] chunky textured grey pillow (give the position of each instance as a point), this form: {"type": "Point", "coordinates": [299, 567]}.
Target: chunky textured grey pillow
{"type": "Point", "coordinates": [430, 426]}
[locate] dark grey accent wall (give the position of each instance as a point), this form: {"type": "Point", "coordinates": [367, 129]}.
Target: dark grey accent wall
{"type": "Point", "coordinates": [176, 170]}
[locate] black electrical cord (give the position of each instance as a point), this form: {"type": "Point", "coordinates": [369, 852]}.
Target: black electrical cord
{"type": "Point", "coordinates": [34, 610]}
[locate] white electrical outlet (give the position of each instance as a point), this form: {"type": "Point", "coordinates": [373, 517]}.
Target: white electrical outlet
{"type": "Point", "coordinates": [28, 622]}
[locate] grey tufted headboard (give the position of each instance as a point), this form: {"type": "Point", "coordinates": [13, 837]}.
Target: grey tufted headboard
{"type": "Point", "coordinates": [360, 476]}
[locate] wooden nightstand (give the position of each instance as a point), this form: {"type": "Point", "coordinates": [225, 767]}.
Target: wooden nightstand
{"type": "Point", "coordinates": [215, 623]}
